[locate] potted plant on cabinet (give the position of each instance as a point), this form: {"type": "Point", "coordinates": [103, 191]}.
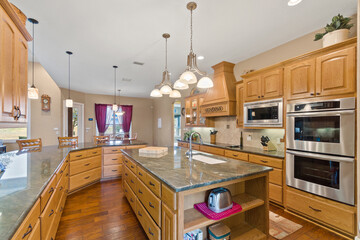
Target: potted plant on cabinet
{"type": "Point", "coordinates": [335, 32]}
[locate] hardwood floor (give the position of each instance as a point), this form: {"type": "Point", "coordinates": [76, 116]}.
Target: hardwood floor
{"type": "Point", "coordinates": [101, 211]}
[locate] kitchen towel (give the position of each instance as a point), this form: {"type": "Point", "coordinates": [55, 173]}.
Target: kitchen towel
{"type": "Point", "coordinates": [202, 208]}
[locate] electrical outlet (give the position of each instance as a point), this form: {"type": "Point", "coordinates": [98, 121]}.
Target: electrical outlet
{"type": "Point", "coordinates": [228, 126]}
{"type": "Point", "coordinates": [248, 138]}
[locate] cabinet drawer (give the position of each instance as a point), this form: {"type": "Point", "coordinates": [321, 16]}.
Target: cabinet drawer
{"type": "Point", "coordinates": [78, 155]}
{"type": "Point", "coordinates": [130, 178]}
{"type": "Point", "coordinates": [47, 193]}
{"type": "Point", "coordinates": [267, 161]}
{"type": "Point", "coordinates": [27, 227]}
{"type": "Point", "coordinates": [335, 214]}
{"type": "Point", "coordinates": [195, 146]}
{"type": "Point", "coordinates": [237, 155]}
{"type": "Point", "coordinates": [275, 193]}
{"type": "Point", "coordinates": [130, 195]}
{"type": "Point", "coordinates": [153, 184]}
{"type": "Point", "coordinates": [135, 146]}
{"type": "Point", "coordinates": [183, 144]}
{"type": "Point", "coordinates": [168, 197]}
{"type": "Point", "coordinates": [212, 150]}
{"type": "Point", "coordinates": [113, 149]}
{"type": "Point", "coordinates": [62, 170]}
{"type": "Point", "coordinates": [112, 170]}
{"type": "Point", "coordinates": [150, 201]}
{"type": "Point", "coordinates": [62, 186]}
{"type": "Point", "coordinates": [130, 164]}
{"type": "Point", "coordinates": [275, 176]}
{"type": "Point", "coordinates": [93, 152]}
{"type": "Point", "coordinates": [113, 159]}
{"type": "Point", "coordinates": [84, 165]}
{"type": "Point", "coordinates": [35, 233]}
{"type": "Point", "coordinates": [141, 173]}
{"type": "Point", "coordinates": [47, 217]}
{"type": "Point", "coordinates": [152, 230]}
{"type": "Point", "coordinates": [84, 178]}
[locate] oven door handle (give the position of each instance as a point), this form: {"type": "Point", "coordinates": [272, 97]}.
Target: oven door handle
{"type": "Point", "coordinates": [320, 114]}
{"type": "Point", "coordinates": [321, 156]}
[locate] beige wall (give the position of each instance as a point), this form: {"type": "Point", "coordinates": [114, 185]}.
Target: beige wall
{"type": "Point", "coordinates": [142, 119]}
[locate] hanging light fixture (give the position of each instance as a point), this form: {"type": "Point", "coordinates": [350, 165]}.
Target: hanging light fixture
{"type": "Point", "coordinates": [117, 111]}
{"type": "Point", "coordinates": [69, 101]}
{"type": "Point", "coordinates": [180, 85]}
{"type": "Point", "coordinates": [115, 106]}
{"type": "Point", "coordinates": [33, 92]}
{"type": "Point", "coordinates": [189, 77]}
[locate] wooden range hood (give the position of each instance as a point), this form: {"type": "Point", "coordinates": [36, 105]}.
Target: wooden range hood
{"type": "Point", "coordinates": [220, 100]}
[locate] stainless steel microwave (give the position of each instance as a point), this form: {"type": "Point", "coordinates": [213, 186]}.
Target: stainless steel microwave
{"type": "Point", "coordinates": [267, 113]}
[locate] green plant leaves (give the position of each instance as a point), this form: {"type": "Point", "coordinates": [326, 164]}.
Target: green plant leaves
{"type": "Point", "coordinates": [337, 22]}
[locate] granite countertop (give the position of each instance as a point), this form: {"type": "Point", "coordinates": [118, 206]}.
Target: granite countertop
{"type": "Point", "coordinates": [176, 171]}
{"type": "Point", "coordinates": [259, 151]}
{"type": "Point", "coordinates": [25, 177]}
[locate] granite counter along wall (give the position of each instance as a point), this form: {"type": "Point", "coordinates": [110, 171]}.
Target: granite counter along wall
{"type": "Point", "coordinates": [228, 133]}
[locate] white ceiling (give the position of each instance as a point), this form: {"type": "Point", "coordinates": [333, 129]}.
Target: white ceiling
{"type": "Point", "coordinates": [117, 32]}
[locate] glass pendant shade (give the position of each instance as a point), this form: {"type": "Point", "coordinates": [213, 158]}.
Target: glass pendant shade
{"type": "Point", "coordinates": [33, 93]}
{"type": "Point", "coordinates": [188, 77]}
{"type": "Point", "coordinates": [156, 93]}
{"type": "Point", "coordinates": [205, 82]}
{"type": "Point", "coordinates": [175, 94]}
{"type": "Point", "coordinates": [292, 3]}
{"type": "Point", "coordinates": [69, 103]}
{"type": "Point", "coordinates": [179, 85]}
{"type": "Point", "coordinates": [115, 107]}
{"type": "Point", "coordinates": [166, 89]}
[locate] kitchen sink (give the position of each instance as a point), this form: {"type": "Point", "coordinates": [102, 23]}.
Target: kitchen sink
{"type": "Point", "coordinates": [233, 146]}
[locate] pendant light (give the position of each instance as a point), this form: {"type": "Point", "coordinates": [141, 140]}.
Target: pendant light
{"type": "Point", "coordinates": [189, 77]}
{"type": "Point", "coordinates": [33, 92]}
{"type": "Point", "coordinates": [115, 106]}
{"type": "Point", "coordinates": [119, 112]}
{"type": "Point", "coordinates": [69, 101]}
{"type": "Point", "coordinates": [179, 85]}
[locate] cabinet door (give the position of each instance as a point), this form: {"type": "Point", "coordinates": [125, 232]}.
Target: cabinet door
{"type": "Point", "coordinates": [188, 112]}
{"type": "Point", "coordinates": [272, 84]}
{"type": "Point", "coordinates": [300, 79]}
{"type": "Point", "coordinates": [335, 72]}
{"type": "Point", "coordinates": [252, 88]}
{"type": "Point", "coordinates": [239, 105]}
{"type": "Point", "coordinates": [7, 67]}
{"type": "Point", "coordinates": [22, 76]}
{"type": "Point", "coordinates": [194, 111]}
{"type": "Point", "coordinates": [168, 224]}
{"type": "Point", "coordinates": [202, 120]}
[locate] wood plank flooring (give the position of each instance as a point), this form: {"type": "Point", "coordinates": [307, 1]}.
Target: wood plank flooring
{"type": "Point", "coordinates": [101, 211]}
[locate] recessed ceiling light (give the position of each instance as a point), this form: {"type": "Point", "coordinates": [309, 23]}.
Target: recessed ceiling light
{"type": "Point", "coordinates": [292, 3]}
{"type": "Point", "coordinates": [200, 57]}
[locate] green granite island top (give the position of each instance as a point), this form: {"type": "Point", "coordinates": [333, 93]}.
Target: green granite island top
{"type": "Point", "coordinates": [176, 171]}
{"type": "Point", "coordinates": [253, 150]}
{"type": "Point", "coordinates": [26, 176]}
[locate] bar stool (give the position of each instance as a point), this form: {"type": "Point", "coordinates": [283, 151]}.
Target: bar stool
{"type": "Point", "coordinates": [68, 141]}
{"type": "Point", "coordinates": [29, 144]}
{"type": "Point", "coordinates": [101, 139]}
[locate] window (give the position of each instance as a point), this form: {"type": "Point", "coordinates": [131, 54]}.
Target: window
{"type": "Point", "coordinates": [114, 123]}
{"type": "Point", "coordinates": [13, 132]}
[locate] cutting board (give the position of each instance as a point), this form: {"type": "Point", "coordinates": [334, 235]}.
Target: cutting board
{"type": "Point", "coordinates": [153, 150]}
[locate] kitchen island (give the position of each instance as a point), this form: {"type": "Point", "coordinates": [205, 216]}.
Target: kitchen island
{"type": "Point", "coordinates": [28, 184]}
{"type": "Point", "coordinates": [162, 191]}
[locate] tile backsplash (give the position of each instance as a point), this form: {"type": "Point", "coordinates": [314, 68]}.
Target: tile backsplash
{"type": "Point", "coordinates": [229, 134]}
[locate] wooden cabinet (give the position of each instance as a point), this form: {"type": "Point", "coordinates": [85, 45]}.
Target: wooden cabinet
{"type": "Point", "coordinates": [329, 74]}
{"type": "Point", "coordinates": [240, 105]}
{"type": "Point", "coordinates": [237, 155]}
{"type": "Point", "coordinates": [168, 223]}
{"type": "Point", "coordinates": [335, 72]}
{"type": "Point", "coordinates": [13, 68]}
{"type": "Point", "coordinates": [265, 85]}
{"type": "Point", "coordinates": [212, 150]}
{"type": "Point", "coordinates": [193, 115]}
{"type": "Point", "coordinates": [27, 226]}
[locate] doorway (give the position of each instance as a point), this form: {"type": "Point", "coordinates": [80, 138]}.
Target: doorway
{"type": "Point", "coordinates": [177, 122]}
{"type": "Point", "coordinates": [74, 121]}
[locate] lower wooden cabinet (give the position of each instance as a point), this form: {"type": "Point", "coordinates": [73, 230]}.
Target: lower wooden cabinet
{"type": "Point", "coordinates": [35, 234]}
{"type": "Point", "coordinates": [237, 155]}
{"type": "Point", "coordinates": [152, 231]}
{"type": "Point", "coordinates": [28, 225]}
{"type": "Point", "coordinates": [85, 178]}
{"type": "Point", "coordinates": [112, 171]}
{"type": "Point", "coordinates": [276, 193]}
{"type": "Point", "coordinates": [168, 223]}
{"type": "Point", "coordinates": [212, 150]}
{"type": "Point", "coordinates": [183, 144]}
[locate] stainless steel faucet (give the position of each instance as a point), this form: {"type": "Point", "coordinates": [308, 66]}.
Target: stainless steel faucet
{"type": "Point", "coordinates": [189, 152]}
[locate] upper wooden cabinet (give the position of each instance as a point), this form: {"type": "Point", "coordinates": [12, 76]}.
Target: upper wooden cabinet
{"type": "Point", "coordinates": [193, 115]}
{"type": "Point", "coordinates": [328, 74]}
{"type": "Point", "coordinates": [13, 66]}
{"type": "Point", "coordinates": [264, 85]}
{"type": "Point", "coordinates": [240, 105]}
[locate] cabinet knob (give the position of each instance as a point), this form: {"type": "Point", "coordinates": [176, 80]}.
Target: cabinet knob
{"type": "Point", "coordinates": [317, 93]}
{"type": "Point", "coordinates": [258, 96]}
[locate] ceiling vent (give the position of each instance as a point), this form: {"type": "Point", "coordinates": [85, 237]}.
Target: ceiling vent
{"type": "Point", "coordinates": [126, 79]}
{"type": "Point", "coordinates": [138, 63]}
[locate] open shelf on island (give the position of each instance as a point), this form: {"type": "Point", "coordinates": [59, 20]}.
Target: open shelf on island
{"type": "Point", "coordinates": [193, 219]}
{"type": "Point", "coordinates": [245, 231]}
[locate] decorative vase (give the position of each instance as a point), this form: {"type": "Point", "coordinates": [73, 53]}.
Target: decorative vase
{"type": "Point", "coordinates": [334, 37]}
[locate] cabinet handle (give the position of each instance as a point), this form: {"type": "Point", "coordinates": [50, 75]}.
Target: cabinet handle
{"type": "Point", "coordinates": [316, 210]}
{"type": "Point", "coordinates": [126, 161]}
{"type": "Point", "coordinates": [317, 93]}
{"type": "Point", "coordinates": [51, 190]}
{"type": "Point", "coordinates": [151, 184]}
{"type": "Point", "coordinates": [151, 233]}
{"type": "Point", "coordinates": [87, 164]}
{"type": "Point", "coordinates": [258, 96]}
{"type": "Point", "coordinates": [67, 174]}
{"type": "Point", "coordinates": [126, 190]}
{"type": "Point", "coordinates": [19, 113]}
{"type": "Point", "coordinates": [29, 230]}
{"type": "Point", "coordinates": [264, 161]}
{"type": "Point", "coordinates": [87, 177]}
{"type": "Point", "coordinates": [150, 204]}
{"type": "Point", "coordinates": [139, 214]}
{"type": "Point", "coordinates": [140, 191]}
{"type": "Point", "coordinates": [235, 155]}
{"type": "Point", "coordinates": [126, 174]}
{"type": "Point", "coordinates": [61, 171]}
{"type": "Point", "coordinates": [114, 170]}
{"type": "Point", "coordinates": [114, 150]}
{"type": "Point", "coordinates": [61, 209]}
{"type": "Point", "coordinates": [51, 213]}
{"type": "Point", "coordinates": [114, 159]}
{"type": "Point", "coordinates": [311, 94]}
{"type": "Point", "coordinates": [94, 152]}
{"type": "Point", "coordinates": [140, 174]}
{"type": "Point", "coordinates": [61, 188]}
{"type": "Point", "coordinates": [132, 166]}
{"type": "Point", "coordinates": [262, 96]}
{"type": "Point", "coordinates": [79, 156]}
{"type": "Point", "coordinates": [131, 181]}
{"type": "Point", "coordinates": [131, 200]}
